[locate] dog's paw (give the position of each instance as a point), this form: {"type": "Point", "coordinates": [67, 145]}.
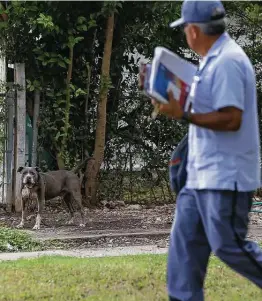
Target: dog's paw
{"type": "Point", "coordinates": [29, 217]}
{"type": "Point", "coordinates": [82, 225]}
{"type": "Point", "coordinates": [20, 226]}
{"type": "Point", "coordinates": [70, 222]}
{"type": "Point", "coordinates": [36, 227]}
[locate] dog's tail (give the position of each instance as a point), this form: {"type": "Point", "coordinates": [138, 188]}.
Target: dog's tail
{"type": "Point", "coordinates": [82, 165]}
{"type": "Point", "coordinates": [80, 171]}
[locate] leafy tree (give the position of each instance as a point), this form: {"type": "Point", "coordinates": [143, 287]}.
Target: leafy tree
{"type": "Point", "coordinates": [87, 76]}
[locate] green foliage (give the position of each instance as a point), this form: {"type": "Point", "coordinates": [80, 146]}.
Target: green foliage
{"type": "Point", "coordinates": [34, 85]}
{"type": "Point", "coordinates": [68, 114]}
{"type": "Point", "coordinates": [110, 7]}
{"type": "Point", "coordinates": [12, 240]}
{"type": "Point", "coordinates": [106, 84]}
{"type": "Point", "coordinates": [52, 33]}
{"type": "Point", "coordinates": [47, 22]}
{"type": "Point", "coordinates": [49, 38]}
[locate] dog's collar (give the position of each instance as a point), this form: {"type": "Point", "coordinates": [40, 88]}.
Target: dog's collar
{"type": "Point", "coordinates": [26, 186]}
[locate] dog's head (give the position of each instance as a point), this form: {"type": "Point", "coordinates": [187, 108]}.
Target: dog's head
{"type": "Point", "coordinates": [30, 176]}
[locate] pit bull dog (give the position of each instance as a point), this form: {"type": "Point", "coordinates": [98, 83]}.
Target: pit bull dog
{"type": "Point", "coordinates": [38, 186]}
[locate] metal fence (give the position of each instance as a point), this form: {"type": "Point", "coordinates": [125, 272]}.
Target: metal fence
{"type": "Point", "coordinates": [2, 127]}
{"type": "Point", "coordinates": [6, 144]}
{"type": "Point", "coordinates": [3, 146]}
{"type": "Point", "coordinates": [141, 186]}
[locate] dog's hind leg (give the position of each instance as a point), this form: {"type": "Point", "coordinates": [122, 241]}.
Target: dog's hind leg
{"type": "Point", "coordinates": [74, 188]}
{"type": "Point", "coordinates": [83, 223]}
{"type": "Point", "coordinates": [75, 202]}
{"type": "Point", "coordinates": [78, 200]}
{"type": "Point", "coordinates": [67, 200]}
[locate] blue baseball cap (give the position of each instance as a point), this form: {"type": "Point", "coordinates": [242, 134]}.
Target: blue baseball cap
{"type": "Point", "coordinates": [194, 11]}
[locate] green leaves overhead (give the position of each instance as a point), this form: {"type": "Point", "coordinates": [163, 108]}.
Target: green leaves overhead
{"type": "Point", "coordinates": [41, 34]}
{"type": "Point", "coordinates": [46, 21]}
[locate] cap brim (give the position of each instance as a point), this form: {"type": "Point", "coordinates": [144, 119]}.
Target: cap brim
{"type": "Point", "coordinates": [176, 23]}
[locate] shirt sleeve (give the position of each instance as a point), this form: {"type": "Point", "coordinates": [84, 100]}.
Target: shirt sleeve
{"type": "Point", "coordinates": [228, 89]}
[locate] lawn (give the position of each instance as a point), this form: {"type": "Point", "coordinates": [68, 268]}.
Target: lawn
{"type": "Point", "coordinates": [128, 278]}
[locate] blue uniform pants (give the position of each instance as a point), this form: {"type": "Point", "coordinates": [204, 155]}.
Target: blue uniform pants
{"type": "Point", "coordinates": [205, 221]}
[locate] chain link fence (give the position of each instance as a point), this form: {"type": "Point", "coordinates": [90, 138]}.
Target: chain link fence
{"type": "Point", "coordinates": [3, 147]}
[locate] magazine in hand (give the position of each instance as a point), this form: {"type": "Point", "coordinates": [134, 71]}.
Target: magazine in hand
{"type": "Point", "coordinates": [144, 75]}
{"type": "Point", "coordinates": [168, 72]}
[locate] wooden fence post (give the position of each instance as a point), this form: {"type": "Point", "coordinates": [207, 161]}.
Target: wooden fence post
{"type": "Point", "coordinates": [10, 97]}
{"type": "Point", "coordinates": [20, 120]}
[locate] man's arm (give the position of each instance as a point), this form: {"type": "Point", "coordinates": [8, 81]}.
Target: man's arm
{"type": "Point", "coordinates": [228, 97]}
{"type": "Point", "coordinates": [226, 119]}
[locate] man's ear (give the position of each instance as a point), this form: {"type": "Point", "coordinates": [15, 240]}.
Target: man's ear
{"type": "Point", "coordinates": [38, 169]}
{"type": "Point", "coordinates": [20, 169]}
{"type": "Point", "coordinates": [195, 31]}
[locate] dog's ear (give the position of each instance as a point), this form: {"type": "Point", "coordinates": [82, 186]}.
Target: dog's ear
{"type": "Point", "coordinates": [20, 169]}
{"type": "Point", "coordinates": [38, 169]}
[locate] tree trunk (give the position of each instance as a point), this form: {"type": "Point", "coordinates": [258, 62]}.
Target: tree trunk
{"type": "Point", "coordinates": [35, 127]}
{"type": "Point", "coordinates": [93, 172]}
{"type": "Point", "coordinates": [61, 153]}
{"type": "Point", "coordinates": [60, 161]}
{"type": "Point", "coordinates": [3, 16]}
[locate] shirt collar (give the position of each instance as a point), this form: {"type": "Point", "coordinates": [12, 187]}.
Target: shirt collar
{"type": "Point", "coordinates": [214, 50]}
{"type": "Point", "coordinates": [218, 45]}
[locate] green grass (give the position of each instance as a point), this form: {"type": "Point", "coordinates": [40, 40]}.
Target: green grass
{"type": "Point", "coordinates": [12, 240]}
{"type": "Point", "coordinates": [138, 278]}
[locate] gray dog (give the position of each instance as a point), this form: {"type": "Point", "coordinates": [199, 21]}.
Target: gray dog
{"type": "Point", "coordinates": [38, 186]}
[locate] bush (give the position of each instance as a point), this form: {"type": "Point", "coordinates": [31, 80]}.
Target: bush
{"type": "Point", "coordinates": [12, 240]}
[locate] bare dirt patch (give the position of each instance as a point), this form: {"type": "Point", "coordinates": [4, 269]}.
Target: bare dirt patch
{"type": "Point", "coordinates": [125, 225]}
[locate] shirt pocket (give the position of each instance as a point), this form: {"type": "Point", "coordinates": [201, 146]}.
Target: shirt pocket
{"type": "Point", "coordinates": [205, 153]}
{"type": "Point", "coordinates": [202, 102]}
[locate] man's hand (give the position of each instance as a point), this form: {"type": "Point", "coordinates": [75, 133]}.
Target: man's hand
{"type": "Point", "coordinates": [141, 76]}
{"type": "Point", "coordinates": [172, 109]}
{"type": "Point", "coordinates": [141, 79]}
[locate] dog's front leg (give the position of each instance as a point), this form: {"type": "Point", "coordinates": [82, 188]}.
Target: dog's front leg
{"type": "Point", "coordinates": [40, 203]}
{"type": "Point", "coordinates": [39, 212]}
{"type": "Point", "coordinates": [37, 222]}
{"type": "Point", "coordinates": [22, 223]}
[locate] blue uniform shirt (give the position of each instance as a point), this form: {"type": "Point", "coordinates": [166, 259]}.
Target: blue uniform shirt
{"type": "Point", "coordinates": [217, 159]}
